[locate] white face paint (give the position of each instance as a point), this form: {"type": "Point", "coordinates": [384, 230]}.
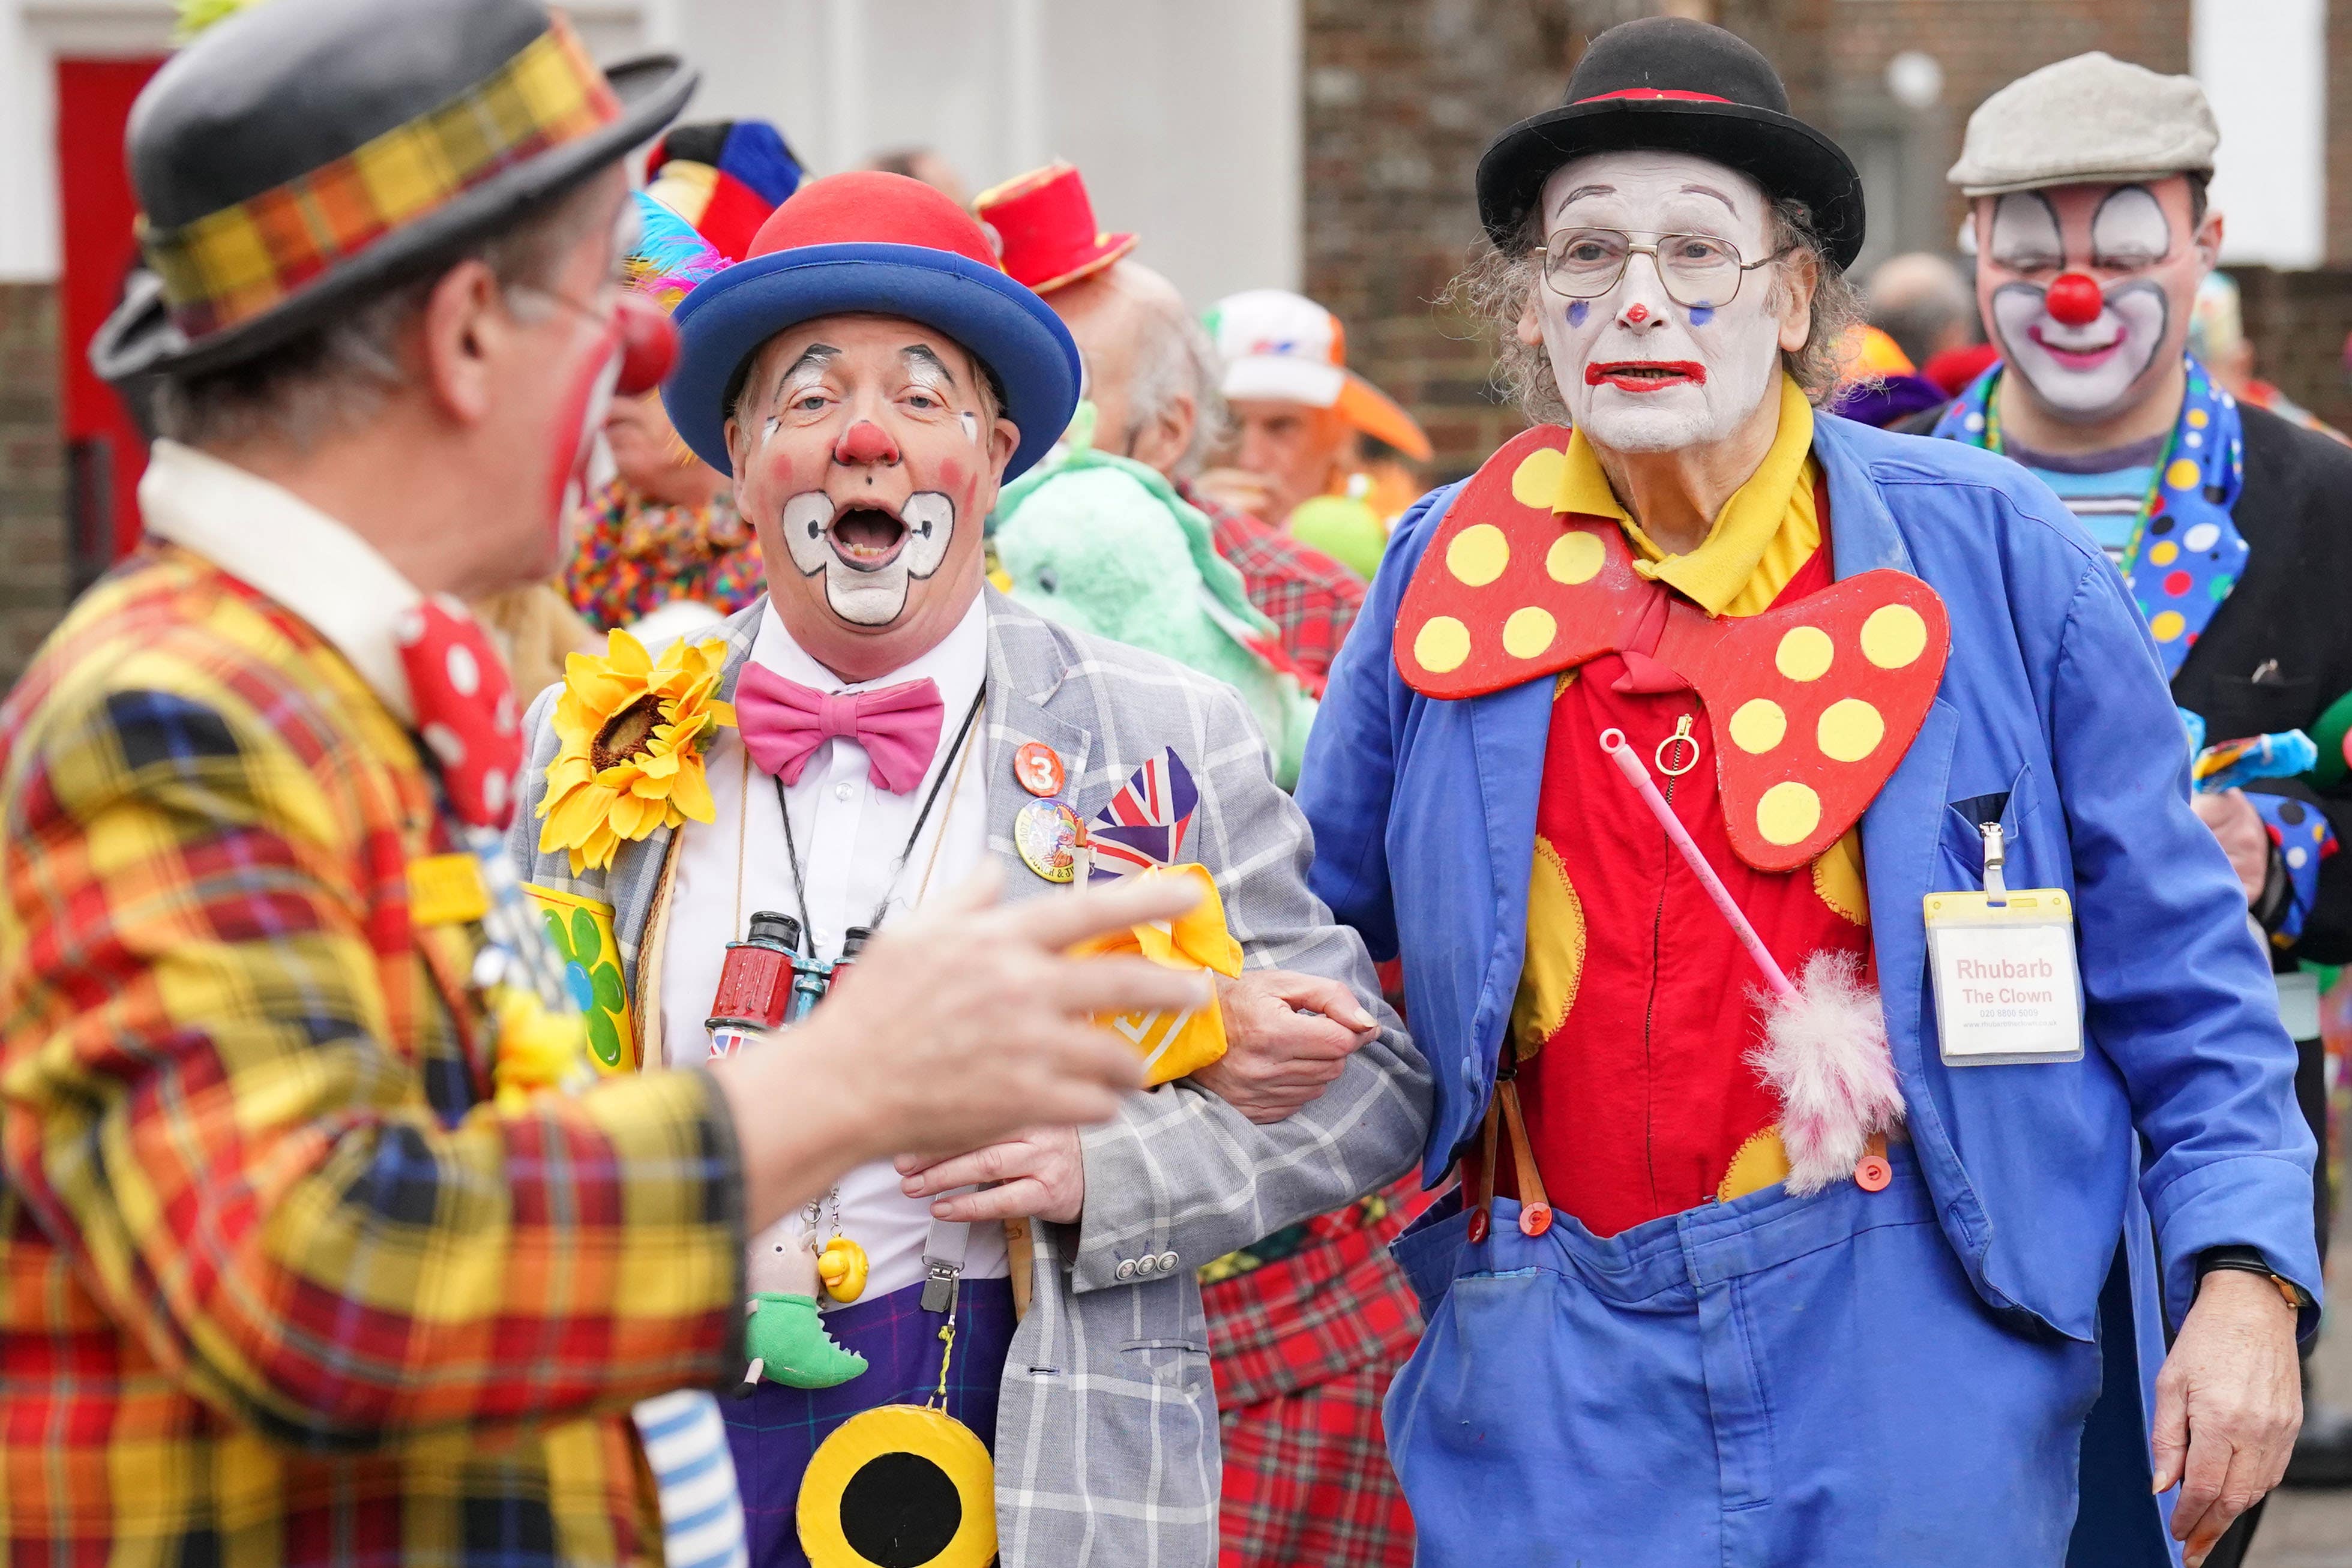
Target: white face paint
{"type": "Point", "coordinates": [2083, 369]}
{"type": "Point", "coordinates": [868, 588]}
{"type": "Point", "coordinates": [1639, 371]}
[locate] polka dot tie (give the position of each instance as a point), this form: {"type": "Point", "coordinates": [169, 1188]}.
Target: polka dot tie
{"type": "Point", "coordinates": [2185, 555]}
{"type": "Point", "coordinates": [465, 708]}
{"type": "Point", "coordinates": [1818, 699]}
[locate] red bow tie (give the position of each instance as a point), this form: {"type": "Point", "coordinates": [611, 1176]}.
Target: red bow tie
{"type": "Point", "coordinates": [1813, 703]}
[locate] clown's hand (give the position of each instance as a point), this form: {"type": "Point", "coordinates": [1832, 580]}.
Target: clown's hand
{"type": "Point", "coordinates": [2229, 1404]}
{"type": "Point", "coordinates": [1288, 1037]}
{"type": "Point", "coordinates": [2243, 837]}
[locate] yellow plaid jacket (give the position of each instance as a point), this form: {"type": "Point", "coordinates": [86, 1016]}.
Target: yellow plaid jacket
{"type": "Point", "coordinates": [277, 1283]}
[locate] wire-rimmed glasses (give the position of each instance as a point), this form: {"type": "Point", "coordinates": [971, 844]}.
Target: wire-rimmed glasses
{"type": "Point", "coordinates": [1699, 271]}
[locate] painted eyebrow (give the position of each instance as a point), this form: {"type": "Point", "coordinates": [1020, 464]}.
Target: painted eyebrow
{"type": "Point", "coordinates": [812, 362]}
{"type": "Point", "coordinates": [1578, 194]}
{"type": "Point", "coordinates": [1709, 191]}
{"type": "Point", "coordinates": [918, 356]}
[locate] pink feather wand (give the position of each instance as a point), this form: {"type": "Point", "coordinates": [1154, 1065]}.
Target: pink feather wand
{"type": "Point", "coordinates": [1824, 1052]}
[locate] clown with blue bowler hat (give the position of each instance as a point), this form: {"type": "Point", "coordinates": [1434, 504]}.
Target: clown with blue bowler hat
{"type": "Point", "coordinates": [1763, 808]}
{"type": "Point", "coordinates": [941, 1373]}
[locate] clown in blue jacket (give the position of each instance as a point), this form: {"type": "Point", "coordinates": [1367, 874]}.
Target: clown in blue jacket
{"type": "Point", "coordinates": [1854, 1048]}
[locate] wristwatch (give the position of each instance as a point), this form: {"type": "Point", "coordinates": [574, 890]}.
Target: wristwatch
{"type": "Point", "coordinates": [2248, 1260]}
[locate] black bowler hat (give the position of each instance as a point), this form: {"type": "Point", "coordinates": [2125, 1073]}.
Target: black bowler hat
{"type": "Point", "coordinates": [1673, 85]}
{"type": "Point", "coordinates": [304, 156]}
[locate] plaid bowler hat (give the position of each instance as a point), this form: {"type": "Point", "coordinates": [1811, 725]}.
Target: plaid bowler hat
{"type": "Point", "coordinates": [304, 156]}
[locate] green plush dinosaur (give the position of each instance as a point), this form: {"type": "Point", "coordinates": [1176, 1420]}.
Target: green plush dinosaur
{"type": "Point", "coordinates": [1103, 544]}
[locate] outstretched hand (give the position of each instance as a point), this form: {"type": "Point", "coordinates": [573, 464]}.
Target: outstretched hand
{"type": "Point", "coordinates": [2229, 1404]}
{"type": "Point", "coordinates": [1288, 1037]}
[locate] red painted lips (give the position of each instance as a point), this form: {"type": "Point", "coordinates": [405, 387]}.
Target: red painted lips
{"type": "Point", "coordinates": [1645, 375]}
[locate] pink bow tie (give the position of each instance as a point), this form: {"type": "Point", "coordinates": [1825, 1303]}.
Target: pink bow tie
{"type": "Point", "coordinates": [784, 721]}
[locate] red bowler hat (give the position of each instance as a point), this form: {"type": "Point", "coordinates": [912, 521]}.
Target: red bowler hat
{"type": "Point", "coordinates": [1045, 224]}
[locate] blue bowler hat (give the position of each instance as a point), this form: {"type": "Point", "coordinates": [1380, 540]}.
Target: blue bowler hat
{"type": "Point", "coordinates": [881, 244]}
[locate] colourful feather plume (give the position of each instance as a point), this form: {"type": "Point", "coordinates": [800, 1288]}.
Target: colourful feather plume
{"type": "Point", "coordinates": [195, 15]}
{"type": "Point", "coordinates": [670, 258]}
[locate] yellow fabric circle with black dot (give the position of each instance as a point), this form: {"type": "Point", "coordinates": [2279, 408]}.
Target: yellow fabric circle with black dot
{"type": "Point", "coordinates": [1850, 730]}
{"type": "Point", "coordinates": [1575, 557]}
{"type": "Point", "coordinates": [1442, 644]}
{"type": "Point", "coordinates": [1758, 725]}
{"type": "Point", "coordinates": [1893, 636]}
{"type": "Point", "coordinates": [1478, 554]}
{"type": "Point", "coordinates": [1528, 633]}
{"type": "Point", "coordinates": [1804, 654]}
{"type": "Point", "coordinates": [903, 1486]}
{"type": "Point", "coordinates": [1788, 812]}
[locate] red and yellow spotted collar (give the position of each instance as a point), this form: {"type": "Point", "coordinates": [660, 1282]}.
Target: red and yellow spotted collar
{"type": "Point", "coordinates": [1814, 704]}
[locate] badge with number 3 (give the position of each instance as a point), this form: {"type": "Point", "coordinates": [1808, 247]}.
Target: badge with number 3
{"type": "Point", "coordinates": [1039, 769]}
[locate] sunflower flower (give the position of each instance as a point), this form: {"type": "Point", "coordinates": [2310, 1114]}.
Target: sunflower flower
{"type": "Point", "coordinates": [634, 729]}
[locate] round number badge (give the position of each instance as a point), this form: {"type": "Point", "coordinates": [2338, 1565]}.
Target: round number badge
{"type": "Point", "coordinates": [1039, 769]}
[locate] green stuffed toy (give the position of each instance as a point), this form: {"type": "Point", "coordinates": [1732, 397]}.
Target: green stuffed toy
{"type": "Point", "coordinates": [1105, 545]}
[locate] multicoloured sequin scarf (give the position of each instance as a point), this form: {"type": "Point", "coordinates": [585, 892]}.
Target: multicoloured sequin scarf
{"type": "Point", "coordinates": [2185, 554]}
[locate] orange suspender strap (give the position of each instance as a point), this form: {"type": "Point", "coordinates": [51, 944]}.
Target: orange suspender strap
{"type": "Point", "coordinates": [1503, 1111]}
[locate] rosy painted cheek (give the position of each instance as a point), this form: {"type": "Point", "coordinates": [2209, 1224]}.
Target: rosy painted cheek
{"type": "Point", "coordinates": [953, 478]}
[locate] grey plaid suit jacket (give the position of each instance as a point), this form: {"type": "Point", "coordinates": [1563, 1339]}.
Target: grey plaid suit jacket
{"type": "Point", "coordinates": [1107, 1431]}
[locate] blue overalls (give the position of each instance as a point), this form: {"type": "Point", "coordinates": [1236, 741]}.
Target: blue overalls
{"type": "Point", "coordinates": [1955, 1369]}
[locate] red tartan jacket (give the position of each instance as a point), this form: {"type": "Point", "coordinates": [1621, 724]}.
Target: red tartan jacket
{"type": "Point", "coordinates": [1311, 599]}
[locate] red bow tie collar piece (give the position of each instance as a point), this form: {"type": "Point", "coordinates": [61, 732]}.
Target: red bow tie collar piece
{"type": "Point", "coordinates": [1814, 704]}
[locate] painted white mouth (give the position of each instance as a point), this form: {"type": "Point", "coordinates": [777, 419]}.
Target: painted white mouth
{"type": "Point", "coordinates": [869, 553]}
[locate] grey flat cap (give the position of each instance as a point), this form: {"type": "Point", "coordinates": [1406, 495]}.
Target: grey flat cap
{"type": "Point", "coordinates": [2090, 119]}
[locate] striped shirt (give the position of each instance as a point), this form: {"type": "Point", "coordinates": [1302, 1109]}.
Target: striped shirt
{"type": "Point", "coordinates": [2104, 490]}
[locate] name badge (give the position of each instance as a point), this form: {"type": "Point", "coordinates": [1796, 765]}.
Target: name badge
{"type": "Point", "coordinates": [2006, 986]}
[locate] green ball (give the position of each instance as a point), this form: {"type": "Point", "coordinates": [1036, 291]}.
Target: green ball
{"type": "Point", "coordinates": [1344, 529]}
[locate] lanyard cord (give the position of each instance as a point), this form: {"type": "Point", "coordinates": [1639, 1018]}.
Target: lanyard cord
{"type": "Point", "coordinates": [930, 798]}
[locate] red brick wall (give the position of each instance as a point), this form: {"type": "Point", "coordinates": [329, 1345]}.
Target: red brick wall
{"type": "Point", "coordinates": [1401, 95]}
{"type": "Point", "coordinates": [32, 568]}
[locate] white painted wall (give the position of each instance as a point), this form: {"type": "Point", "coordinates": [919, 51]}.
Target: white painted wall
{"type": "Point", "coordinates": [1183, 114]}
{"type": "Point", "coordinates": [2264, 67]}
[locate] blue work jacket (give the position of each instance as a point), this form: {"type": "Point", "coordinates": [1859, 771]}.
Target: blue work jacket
{"type": "Point", "coordinates": [2054, 718]}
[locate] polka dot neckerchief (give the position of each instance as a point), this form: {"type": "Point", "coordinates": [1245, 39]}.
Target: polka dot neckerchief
{"type": "Point", "coordinates": [2185, 554]}
{"type": "Point", "coordinates": [1817, 700]}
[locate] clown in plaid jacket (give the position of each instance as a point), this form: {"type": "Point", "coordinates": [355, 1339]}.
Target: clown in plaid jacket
{"type": "Point", "coordinates": [1106, 1440]}
{"type": "Point", "coordinates": [277, 1282]}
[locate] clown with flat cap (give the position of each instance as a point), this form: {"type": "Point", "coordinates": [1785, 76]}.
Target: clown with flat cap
{"type": "Point", "coordinates": [1770, 816]}
{"type": "Point", "coordinates": [2088, 183]}
{"type": "Point", "coordinates": [869, 378]}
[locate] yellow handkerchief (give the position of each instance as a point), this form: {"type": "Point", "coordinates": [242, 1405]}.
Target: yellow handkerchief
{"type": "Point", "coordinates": [1173, 1044]}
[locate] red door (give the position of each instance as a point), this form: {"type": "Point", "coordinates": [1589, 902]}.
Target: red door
{"type": "Point", "coordinates": [105, 451]}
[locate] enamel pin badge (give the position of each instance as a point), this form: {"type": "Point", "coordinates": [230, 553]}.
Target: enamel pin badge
{"type": "Point", "coordinates": [1047, 833]}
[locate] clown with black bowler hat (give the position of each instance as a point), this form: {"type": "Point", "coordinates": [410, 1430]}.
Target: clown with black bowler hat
{"type": "Point", "coordinates": [1762, 808]}
{"type": "Point", "coordinates": [869, 376]}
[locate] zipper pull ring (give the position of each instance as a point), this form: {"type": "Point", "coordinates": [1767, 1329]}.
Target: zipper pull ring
{"type": "Point", "coordinates": [1681, 736]}
{"type": "Point", "coordinates": [1996, 855]}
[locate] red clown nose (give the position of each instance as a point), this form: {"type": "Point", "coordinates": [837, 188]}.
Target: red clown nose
{"type": "Point", "coordinates": [866, 441]}
{"type": "Point", "coordinates": [2074, 300]}
{"type": "Point", "coordinates": [648, 345]}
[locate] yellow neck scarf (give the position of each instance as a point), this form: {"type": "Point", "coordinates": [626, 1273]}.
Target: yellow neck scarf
{"type": "Point", "coordinates": [1765, 534]}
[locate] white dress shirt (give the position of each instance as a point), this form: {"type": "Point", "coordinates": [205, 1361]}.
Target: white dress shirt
{"type": "Point", "coordinates": [850, 831]}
